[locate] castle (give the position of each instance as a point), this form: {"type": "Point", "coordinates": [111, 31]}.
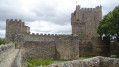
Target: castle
{"type": "Point", "coordinates": [85, 22]}
{"type": "Point", "coordinates": [84, 40]}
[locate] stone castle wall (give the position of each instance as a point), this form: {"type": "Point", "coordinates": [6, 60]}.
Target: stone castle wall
{"type": "Point", "coordinates": [67, 47]}
{"type": "Point", "coordinates": [95, 47]}
{"type": "Point", "coordinates": [60, 47]}
{"type": "Point", "coordinates": [36, 49]}
{"type": "Point", "coordinates": [40, 37]}
{"type": "Point", "coordinates": [91, 62]}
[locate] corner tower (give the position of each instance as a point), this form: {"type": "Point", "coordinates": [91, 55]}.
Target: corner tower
{"type": "Point", "coordinates": [85, 21]}
{"type": "Point", "coordinates": [14, 27]}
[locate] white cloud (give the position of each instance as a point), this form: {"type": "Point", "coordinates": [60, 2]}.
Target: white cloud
{"type": "Point", "coordinates": [2, 33]}
{"type": "Point", "coordinates": [47, 16]}
{"type": "Point", "coordinates": [46, 27]}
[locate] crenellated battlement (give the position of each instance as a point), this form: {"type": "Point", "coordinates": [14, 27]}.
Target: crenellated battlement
{"type": "Point", "coordinates": [91, 9]}
{"type": "Point", "coordinates": [41, 34]}
{"type": "Point", "coordinates": [87, 9]}
{"type": "Point", "coordinates": [14, 20]}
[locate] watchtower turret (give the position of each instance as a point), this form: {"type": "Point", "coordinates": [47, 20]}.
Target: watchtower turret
{"type": "Point", "coordinates": [85, 21]}
{"type": "Point", "coordinates": [14, 27]}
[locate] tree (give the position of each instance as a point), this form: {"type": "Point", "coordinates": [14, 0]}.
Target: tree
{"type": "Point", "coordinates": [109, 25]}
{"type": "Point", "coordinates": [2, 41]}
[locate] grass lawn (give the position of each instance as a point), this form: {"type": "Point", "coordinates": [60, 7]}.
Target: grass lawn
{"type": "Point", "coordinates": [47, 61]}
{"type": "Point", "coordinates": [38, 62]}
{"type": "Point", "coordinates": [41, 61]}
{"type": "Point", "coordinates": [82, 58]}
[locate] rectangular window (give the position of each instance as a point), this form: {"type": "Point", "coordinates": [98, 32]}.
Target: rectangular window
{"type": "Point", "coordinates": [87, 36]}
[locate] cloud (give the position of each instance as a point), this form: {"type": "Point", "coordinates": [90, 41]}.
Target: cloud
{"type": "Point", "coordinates": [2, 33]}
{"type": "Point", "coordinates": [47, 16]}
{"type": "Point", "coordinates": [51, 28]}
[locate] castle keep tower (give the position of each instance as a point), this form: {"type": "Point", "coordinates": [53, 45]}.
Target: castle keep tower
{"type": "Point", "coordinates": [14, 27]}
{"type": "Point", "coordinates": [85, 21]}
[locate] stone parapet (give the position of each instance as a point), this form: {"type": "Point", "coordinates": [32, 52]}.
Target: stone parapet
{"type": "Point", "coordinates": [17, 61]}
{"type": "Point", "coordinates": [5, 50]}
{"type": "Point", "coordinates": [91, 62]}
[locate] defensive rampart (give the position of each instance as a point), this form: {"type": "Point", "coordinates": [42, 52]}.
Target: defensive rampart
{"type": "Point", "coordinates": [91, 62]}
{"type": "Point", "coordinates": [63, 47]}
{"type": "Point", "coordinates": [8, 53]}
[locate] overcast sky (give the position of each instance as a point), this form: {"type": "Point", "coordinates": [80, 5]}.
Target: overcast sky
{"type": "Point", "coordinates": [47, 16]}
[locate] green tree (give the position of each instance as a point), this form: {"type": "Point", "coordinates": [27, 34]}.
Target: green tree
{"type": "Point", "coordinates": [2, 41]}
{"type": "Point", "coordinates": [109, 25]}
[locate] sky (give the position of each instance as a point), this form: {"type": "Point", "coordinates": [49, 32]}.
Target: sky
{"type": "Point", "coordinates": [47, 16]}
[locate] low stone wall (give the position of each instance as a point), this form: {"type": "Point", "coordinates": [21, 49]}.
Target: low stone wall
{"type": "Point", "coordinates": [91, 62]}
{"type": "Point", "coordinates": [5, 50]}
{"type": "Point", "coordinates": [17, 61]}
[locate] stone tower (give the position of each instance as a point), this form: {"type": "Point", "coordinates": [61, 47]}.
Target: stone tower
{"type": "Point", "coordinates": [85, 21]}
{"type": "Point", "coordinates": [14, 27]}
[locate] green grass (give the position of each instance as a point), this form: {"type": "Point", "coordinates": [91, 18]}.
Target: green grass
{"type": "Point", "coordinates": [81, 58]}
{"type": "Point", "coordinates": [38, 62]}
{"type": "Point", "coordinates": [54, 61]}
{"type": "Point", "coordinates": [41, 61]}
{"type": "Point", "coordinates": [10, 43]}
{"type": "Point", "coordinates": [114, 56]}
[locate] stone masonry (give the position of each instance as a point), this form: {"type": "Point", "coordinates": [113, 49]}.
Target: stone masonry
{"type": "Point", "coordinates": [14, 27]}
{"type": "Point", "coordinates": [91, 62]}
{"type": "Point", "coordinates": [8, 54]}
{"type": "Point", "coordinates": [85, 21]}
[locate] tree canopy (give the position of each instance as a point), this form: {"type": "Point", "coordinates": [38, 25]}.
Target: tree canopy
{"type": "Point", "coordinates": [109, 25]}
